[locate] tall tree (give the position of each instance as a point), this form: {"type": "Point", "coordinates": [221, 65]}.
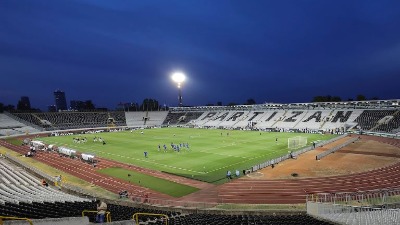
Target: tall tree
{"type": "Point", "coordinates": [326, 98]}
{"type": "Point", "coordinates": [361, 98]}
{"type": "Point", "coordinates": [9, 108]}
{"type": "Point", "coordinates": [336, 99]}
{"type": "Point", "coordinates": [133, 106]}
{"type": "Point", "coordinates": [1, 107]}
{"type": "Point", "coordinates": [149, 105]}
{"type": "Point", "coordinates": [250, 101]}
{"type": "Point", "coordinates": [318, 98]}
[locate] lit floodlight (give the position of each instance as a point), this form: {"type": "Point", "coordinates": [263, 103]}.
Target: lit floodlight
{"type": "Point", "coordinates": [178, 77]}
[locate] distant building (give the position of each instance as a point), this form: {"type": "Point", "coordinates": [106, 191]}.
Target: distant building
{"type": "Point", "coordinates": [82, 105]}
{"type": "Point", "coordinates": [52, 108]}
{"type": "Point", "coordinates": [61, 102]}
{"type": "Point", "coordinates": [24, 103]}
{"type": "Point", "coordinates": [76, 105]}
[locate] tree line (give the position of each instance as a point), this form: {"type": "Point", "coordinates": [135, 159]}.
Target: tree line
{"type": "Point", "coordinates": [148, 104]}
{"type": "Point", "coordinates": [329, 98]}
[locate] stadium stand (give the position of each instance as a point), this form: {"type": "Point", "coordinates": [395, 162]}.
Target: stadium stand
{"type": "Point", "coordinates": [74, 120]}
{"type": "Point", "coordinates": [233, 119]}
{"type": "Point", "coordinates": [124, 213]}
{"type": "Point", "coordinates": [341, 120]}
{"type": "Point", "coordinates": [323, 118]}
{"type": "Point", "coordinates": [173, 118]}
{"type": "Point", "coordinates": [155, 118]}
{"type": "Point", "coordinates": [218, 118]}
{"type": "Point", "coordinates": [28, 118]}
{"type": "Point", "coordinates": [245, 120]}
{"type": "Point", "coordinates": [135, 119]}
{"type": "Point", "coordinates": [181, 118]}
{"type": "Point", "coordinates": [389, 124]}
{"type": "Point", "coordinates": [189, 117]}
{"type": "Point", "coordinates": [269, 119]}
{"type": "Point", "coordinates": [200, 219]}
{"type": "Point", "coordinates": [370, 118]}
{"type": "Point", "coordinates": [20, 186]}
{"type": "Point", "coordinates": [313, 119]}
{"type": "Point", "coordinates": [39, 210]}
{"type": "Point", "coordinates": [10, 126]}
{"type": "Point", "coordinates": [22, 195]}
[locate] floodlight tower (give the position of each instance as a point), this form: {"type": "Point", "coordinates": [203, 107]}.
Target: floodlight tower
{"type": "Point", "coordinates": [179, 78]}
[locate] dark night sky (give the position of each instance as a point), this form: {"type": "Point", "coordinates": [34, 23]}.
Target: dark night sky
{"type": "Point", "coordinates": [271, 51]}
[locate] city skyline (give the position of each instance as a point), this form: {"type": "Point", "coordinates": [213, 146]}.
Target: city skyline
{"type": "Point", "coordinates": [113, 52]}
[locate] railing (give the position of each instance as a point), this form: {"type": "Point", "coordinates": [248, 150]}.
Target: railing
{"type": "Point", "coordinates": [346, 214]}
{"type": "Point", "coordinates": [294, 154]}
{"type": "Point", "coordinates": [381, 197]}
{"type": "Point", "coordinates": [172, 203]}
{"type": "Point", "coordinates": [334, 149]}
{"type": "Point", "coordinates": [14, 218]}
{"type": "Point", "coordinates": [379, 134]}
{"type": "Point", "coordinates": [212, 207]}
{"type": "Point", "coordinates": [368, 207]}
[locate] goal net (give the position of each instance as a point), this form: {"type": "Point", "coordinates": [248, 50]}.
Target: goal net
{"type": "Point", "coordinates": [297, 142]}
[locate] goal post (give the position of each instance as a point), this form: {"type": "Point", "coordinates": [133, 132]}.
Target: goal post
{"type": "Point", "coordinates": [297, 142]}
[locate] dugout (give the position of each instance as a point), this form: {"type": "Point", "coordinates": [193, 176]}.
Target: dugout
{"type": "Point", "coordinates": [52, 148]}
{"type": "Point", "coordinates": [38, 145]}
{"type": "Point", "coordinates": [90, 158]}
{"type": "Point", "coordinates": [67, 152]}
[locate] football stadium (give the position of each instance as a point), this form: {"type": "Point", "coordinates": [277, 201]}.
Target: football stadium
{"type": "Point", "coordinates": [299, 163]}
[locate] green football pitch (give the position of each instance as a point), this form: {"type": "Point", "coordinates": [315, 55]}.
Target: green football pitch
{"type": "Point", "coordinates": [209, 155]}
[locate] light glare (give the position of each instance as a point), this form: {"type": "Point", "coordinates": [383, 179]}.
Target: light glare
{"type": "Point", "coordinates": [178, 77]}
